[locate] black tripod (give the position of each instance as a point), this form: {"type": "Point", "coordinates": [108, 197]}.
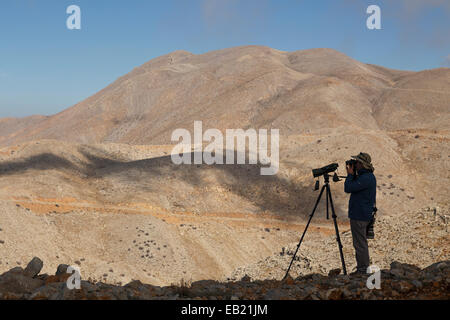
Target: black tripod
{"type": "Point", "coordinates": [326, 187]}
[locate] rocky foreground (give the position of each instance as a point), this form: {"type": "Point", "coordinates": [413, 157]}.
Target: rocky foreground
{"type": "Point", "coordinates": [415, 237]}
{"type": "Point", "coordinates": [401, 281]}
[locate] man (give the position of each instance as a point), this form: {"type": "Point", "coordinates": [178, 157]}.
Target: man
{"type": "Point", "coordinates": [362, 185]}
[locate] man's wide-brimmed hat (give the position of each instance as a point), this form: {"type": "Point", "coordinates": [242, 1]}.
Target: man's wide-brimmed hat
{"type": "Point", "coordinates": [366, 160]}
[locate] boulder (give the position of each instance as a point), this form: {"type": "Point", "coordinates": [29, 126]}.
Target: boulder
{"type": "Point", "coordinates": [62, 269]}
{"type": "Point", "coordinates": [135, 284]}
{"type": "Point", "coordinates": [48, 292]}
{"type": "Point", "coordinates": [14, 270]}
{"type": "Point", "coordinates": [246, 278]}
{"type": "Point", "coordinates": [34, 267]}
{"type": "Point", "coordinates": [401, 270]}
{"type": "Point", "coordinates": [334, 272]}
{"type": "Point", "coordinates": [18, 283]}
{"type": "Point", "coordinates": [437, 267]}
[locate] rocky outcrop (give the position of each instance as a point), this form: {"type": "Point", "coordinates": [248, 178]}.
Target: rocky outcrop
{"type": "Point", "coordinates": [401, 281]}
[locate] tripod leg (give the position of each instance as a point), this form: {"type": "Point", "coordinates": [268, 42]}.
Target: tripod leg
{"type": "Point", "coordinates": [328, 211]}
{"type": "Point", "coordinates": [304, 232]}
{"type": "Point", "coordinates": [338, 238]}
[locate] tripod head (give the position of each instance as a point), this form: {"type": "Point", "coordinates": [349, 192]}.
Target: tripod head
{"type": "Point", "coordinates": [326, 178]}
{"type": "Point", "coordinates": [326, 172]}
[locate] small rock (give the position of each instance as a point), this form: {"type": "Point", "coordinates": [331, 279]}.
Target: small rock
{"type": "Point", "coordinates": [288, 280]}
{"type": "Point", "coordinates": [135, 284]}
{"type": "Point", "coordinates": [246, 278]}
{"type": "Point", "coordinates": [34, 267]}
{"type": "Point", "coordinates": [334, 272]}
{"type": "Point", "coordinates": [62, 269]}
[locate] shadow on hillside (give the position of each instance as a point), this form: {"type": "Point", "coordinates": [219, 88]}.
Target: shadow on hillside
{"type": "Point", "coordinates": [45, 161]}
{"type": "Point", "coordinates": [268, 193]}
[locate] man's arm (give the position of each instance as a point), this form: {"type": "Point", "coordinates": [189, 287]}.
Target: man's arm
{"type": "Point", "coordinates": [354, 185]}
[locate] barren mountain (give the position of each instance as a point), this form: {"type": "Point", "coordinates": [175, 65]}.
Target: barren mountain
{"type": "Point", "coordinates": [95, 185]}
{"type": "Point", "coordinates": [297, 92]}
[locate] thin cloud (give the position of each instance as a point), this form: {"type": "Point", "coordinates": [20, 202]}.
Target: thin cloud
{"type": "Point", "coordinates": [217, 11]}
{"type": "Point", "coordinates": [410, 14]}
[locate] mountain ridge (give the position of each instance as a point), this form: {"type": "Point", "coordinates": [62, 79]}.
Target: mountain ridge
{"type": "Point", "coordinates": [145, 105]}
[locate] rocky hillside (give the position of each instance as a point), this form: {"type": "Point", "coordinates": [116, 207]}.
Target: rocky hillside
{"type": "Point", "coordinates": [400, 281]}
{"type": "Point", "coordinates": [129, 209]}
{"type": "Point", "coordinates": [327, 106]}
{"type": "Point", "coordinates": [417, 237]}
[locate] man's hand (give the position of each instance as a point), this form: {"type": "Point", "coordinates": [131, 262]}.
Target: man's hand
{"type": "Point", "coordinates": [350, 169]}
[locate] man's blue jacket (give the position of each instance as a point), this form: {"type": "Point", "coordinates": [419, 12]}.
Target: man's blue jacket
{"type": "Point", "coordinates": [363, 191]}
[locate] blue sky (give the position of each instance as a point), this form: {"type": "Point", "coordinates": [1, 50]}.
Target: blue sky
{"type": "Point", "coordinates": [45, 68]}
